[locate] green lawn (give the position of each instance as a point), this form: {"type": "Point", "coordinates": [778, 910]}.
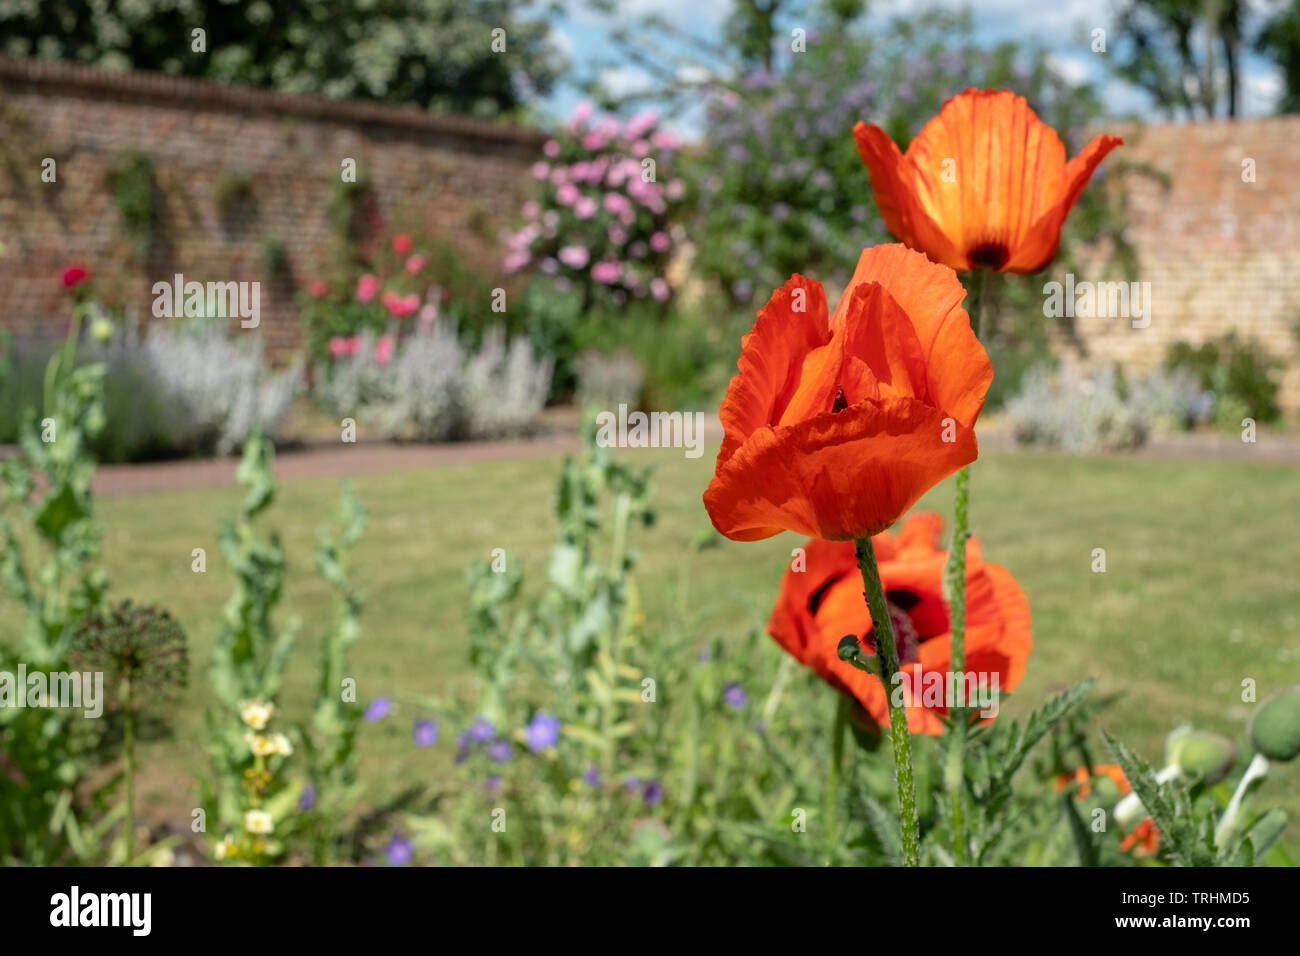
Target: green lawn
{"type": "Point", "coordinates": [1200, 591]}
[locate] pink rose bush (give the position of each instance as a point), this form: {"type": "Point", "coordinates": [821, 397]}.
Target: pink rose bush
{"type": "Point", "coordinates": [600, 222]}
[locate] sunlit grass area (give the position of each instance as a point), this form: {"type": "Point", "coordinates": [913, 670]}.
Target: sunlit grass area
{"type": "Point", "coordinates": [1200, 591]}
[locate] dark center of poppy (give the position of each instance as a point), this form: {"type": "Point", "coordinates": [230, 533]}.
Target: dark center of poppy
{"type": "Point", "coordinates": [906, 639]}
{"type": "Point", "coordinates": [989, 255]}
{"type": "Point", "coordinates": [841, 402]}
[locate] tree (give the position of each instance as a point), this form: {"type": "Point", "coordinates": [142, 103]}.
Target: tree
{"type": "Point", "coordinates": [440, 54]}
{"type": "Point", "coordinates": [1280, 42]}
{"type": "Point", "coordinates": [1172, 49]}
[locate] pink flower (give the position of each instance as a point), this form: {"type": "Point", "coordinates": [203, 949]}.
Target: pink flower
{"type": "Point", "coordinates": [567, 194]}
{"type": "Point", "coordinates": [551, 148]}
{"type": "Point", "coordinates": [559, 175]}
{"type": "Point", "coordinates": [664, 140]}
{"type": "Point", "coordinates": [531, 209]}
{"type": "Point", "coordinates": [593, 140]}
{"type": "Point", "coordinates": [401, 243]}
{"type": "Point", "coordinates": [514, 261]}
{"type": "Point", "coordinates": [429, 313]}
{"type": "Point", "coordinates": [641, 147]}
{"type": "Point", "coordinates": [659, 242]}
{"type": "Point", "coordinates": [606, 272]}
{"type": "Point", "coordinates": [641, 124]}
{"type": "Point", "coordinates": [585, 207]}
{"type": "Point", "coordinates": [400, 306]}
{"type": "Point", "coordinates": [415, 264]}
{"type": "Point", "coordinates": [541, 170]}
{"type": "Point", "coordinates": [384, 349]}
{"type": "Point", "coordinates": [615, 203]}
{"type": "Point", "coordinates": [575, 257]}
{"type": "Point", "coordinates": [74, 274]}
{"type": "Point", "coordinates": [318, 289]}
{"type": "Point", "coordinates": [340, 346]}
{"type": "Point", "coordinates": [581, 113]}
{"type": "Point", "coordinates": [676, 189]}
{"type": "Point", "coordinates": [616, 234]}
{"type": "Point", "coordinates": [659, 289]}
{"type": "Point", "coordinates": [367, 286]}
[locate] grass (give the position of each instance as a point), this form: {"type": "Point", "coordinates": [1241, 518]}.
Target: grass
{"type": "Point", "coordinates": [1199, 592]}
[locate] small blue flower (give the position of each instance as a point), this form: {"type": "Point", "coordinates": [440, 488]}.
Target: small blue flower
{"type": "Point", "coordinates": [592, 776]}
{"type": "Point", "coordinates": [307, 799]}
{"type": "Point", "coordinates": [379, 708]}
{"type": "Point", "coordinates": [631, 782]}
{"type": "Point", "coordinates": [481, 731]}
{"type": "Point", "coordinates": [399, 850]}
{"type": "Point", "coordinates": [543, 731]}
{"type": "Point", "coordinates": [735, 697]}
{"type": "Point", "coordinates": [425, 733]}
{"type": "Point", "coordinates": [493, 783]}
{"type": "Point", "coordinates": [499, 751]}
{"type": "Point", "coordinates": [653, 792]}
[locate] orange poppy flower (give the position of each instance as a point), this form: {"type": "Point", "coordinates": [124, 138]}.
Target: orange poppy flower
{"type": "Point", "coordinates": [985, 184]}
{"type": "Point", "coordinates": [822, 603]}
{"type": "Point", "coordinates": [1144, 840]}
{"type": "Point", "coordinates": [837, 424]}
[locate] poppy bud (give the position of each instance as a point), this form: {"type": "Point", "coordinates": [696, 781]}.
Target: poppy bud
{"type": "Point", "coordinates": [850, 649]}
{"type": "Point", "coordinates": [1275, 730]}
{"type": "Point", "coordinates": [1198, 753]}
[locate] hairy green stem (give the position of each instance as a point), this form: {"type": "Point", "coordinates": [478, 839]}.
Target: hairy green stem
{"type": "Point", "coordinates": [887, 652]}
{"type": "Point", "coordinates": [838, 732]}
{"type": "Point", "coordinates": [955, 768]}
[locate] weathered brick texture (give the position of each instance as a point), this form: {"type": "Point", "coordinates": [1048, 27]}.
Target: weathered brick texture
{"type": "Point", "coordinates": [456, 178]}
{"type": "Point", "coordinates": [1220, 253]}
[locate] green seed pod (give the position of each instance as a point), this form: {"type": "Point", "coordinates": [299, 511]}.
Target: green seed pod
{"type": "Point", "coordinates": [1275, 730]}
{"type": "Point", "coordinates": [1199, 753]}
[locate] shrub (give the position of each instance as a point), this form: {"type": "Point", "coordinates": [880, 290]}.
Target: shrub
{"type": "Point", "coordinates": [1239, 374]}
{"type": "Point", "coordinates": [599, 225]}
{"type": "Point", "coordinates": [430, 387]}
{"type": "Point", "coordinates": [1082, 411]}
{"type": "Point", "coordinates": [185, 390]}
{"type": "Point", "coordinates": [781, 186]}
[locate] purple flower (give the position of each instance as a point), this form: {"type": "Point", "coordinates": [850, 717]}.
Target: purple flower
{"type": "Point", "coordinates": [631, 782]}
{"type": "Point", "coordinates": [493, 783]}
{"type": "Point", "coordinates": [499, 751]}
{"type": "Point", "coordinates": [543, 731]}
{"type": "Point", "coordinates": [481, 731]}
{"type": "Point", "coordinates": [425, 733]}
{"type": "Point", "coordinates": [653, 792]}
{"type": "Point", "coordinates": [379, 708]}
{"type": "Point", "coordinates": [592, 776]}
{"type": "Point", "coordinates": [399, 850]}
{"type": "Point", "coordinates": [735, 697]}
{"type": "Point", "coordinates": [308, 798]}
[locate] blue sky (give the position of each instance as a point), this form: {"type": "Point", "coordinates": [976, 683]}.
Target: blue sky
{"type": "Point", "coordinates": [1061, 26]}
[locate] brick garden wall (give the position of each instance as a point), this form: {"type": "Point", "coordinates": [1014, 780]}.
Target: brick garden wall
{"type": "Point", "coordinates": [456, 178]}
{"type": "Point", "coordinates": [1220, 254]}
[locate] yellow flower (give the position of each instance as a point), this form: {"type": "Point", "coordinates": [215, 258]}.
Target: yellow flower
{"type": "Point", "coordinates": [258, 821]}
{"type": "Point", "coordinates": [256, 714]}
{"type": "Point", "coordinates": [225, 847]}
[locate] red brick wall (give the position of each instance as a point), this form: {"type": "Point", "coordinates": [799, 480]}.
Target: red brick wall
{"type": "Point", "coordinates": [454, 177]}
{"type": "Point", "coordinates": [1220, 254]}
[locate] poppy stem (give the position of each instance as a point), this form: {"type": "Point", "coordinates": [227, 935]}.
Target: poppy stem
{"type": "Point", "coordinates": [837, 761]}
{"type": "Point", "coordinates": [955, 768]}
{"type": "Point", "coordinates": [887, 652]}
